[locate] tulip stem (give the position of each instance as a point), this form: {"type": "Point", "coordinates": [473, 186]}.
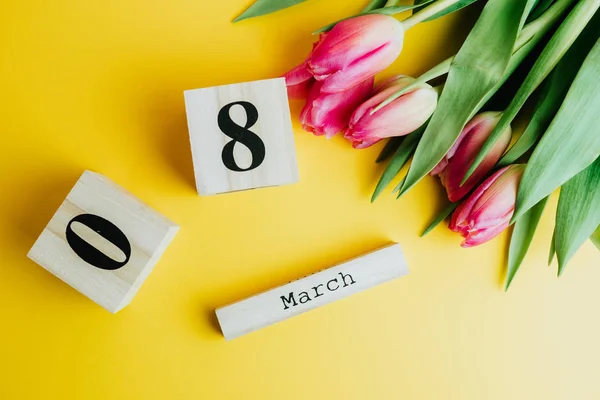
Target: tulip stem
{"type": "Point", "coordinates": [542, 24]}
{"type": "Point", "coordinates": [435, 72]}
{"type": "Point", "coordinates": [530, 35]}
{"type": "Point", "coordinates": [427, 12]}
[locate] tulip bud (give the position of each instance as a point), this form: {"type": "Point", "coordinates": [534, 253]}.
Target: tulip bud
{"type": "Point", "coordinates": [401, 117]}
{"type": "Point", "coordinates": [457, 162]}
{"type": "Point", "coordinates": [329, 113]}
{"type": "Point", "coordinates": [354, 50]}
{"type": "Point", "coordinates": [488, 210]}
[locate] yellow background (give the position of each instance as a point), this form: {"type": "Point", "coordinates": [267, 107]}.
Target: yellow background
{"type": "Point", "coordinates": [98, 85]}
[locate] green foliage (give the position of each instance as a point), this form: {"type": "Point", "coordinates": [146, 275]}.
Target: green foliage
{"type": "Point", "coordinates": [595, 238]}
{"type": "Point", "coordinates": [263, 7]}
{"type": "Point", "coordinates": [474, 74]}
{"type": "Point", "coordinates": [455, 7]}
{"type": "Point", "coordinates": [521, 238]}
{"type": "Point", "coordinates": [553, 92]}
{"type": "Point", "coordinates": [571, 143]}
{"type": "Point", "coordinates": [527, 41]}
{"type": "Point", "coordinates": [389, 149]}
{"type": "Point", "coordinates": [374, 5]}
{"type": "Point", "coordinates": [541, 6]}
{"type": "Point", "coordinates": [548, 103]}
{"type": "Point", "coordinates": [440, 217]}
{"type": "Point", "coordinates": [437, 71]}
{"type": "Point", "coordinates": [399, 160]}
{"type": "Point", "coordinates": [561, 41]}
{"type": "Point", "coordinates": [578, 213]}
{"type": "Point", "coordinates": [552, 252]}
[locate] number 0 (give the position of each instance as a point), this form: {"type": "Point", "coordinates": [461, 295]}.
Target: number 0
{"type": "Point", "coordinates": [89, 253]}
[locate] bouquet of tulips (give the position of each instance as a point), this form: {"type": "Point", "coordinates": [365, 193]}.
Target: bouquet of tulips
{"type": "Point", "coordinates": [543, 51]}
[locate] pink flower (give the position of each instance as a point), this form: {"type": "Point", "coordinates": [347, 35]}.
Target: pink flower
{"type": "Point", "coordinates": [457, 162]}
{"type": "Point", "coordinates": [354, 50]}
{"type": "Point", "coordinates": [299, 81]}
{"type": "Point", "coordinates": [487, 212]}
{"type": "Point", "coordinates": [329, 113]}
{"type": "Point", "coordinates": [399, 118]}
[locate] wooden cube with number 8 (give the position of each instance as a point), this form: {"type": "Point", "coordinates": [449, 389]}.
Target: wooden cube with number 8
{"type": "Point", "coordinates": [241, 136]}
{"type": "Point", "coordinates": [103, 241]}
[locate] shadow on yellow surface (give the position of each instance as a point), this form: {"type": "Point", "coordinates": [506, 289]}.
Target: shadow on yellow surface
{"type": "Point", "coordinates": [99, 86]}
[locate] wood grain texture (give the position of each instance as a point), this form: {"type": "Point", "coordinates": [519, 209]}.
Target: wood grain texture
{"type": "Point", "coordinates": [312, 291]}
{"type": "Point", "coordinates": [147, 232]}
{"type": "Point", "coordinates": [273, 126]}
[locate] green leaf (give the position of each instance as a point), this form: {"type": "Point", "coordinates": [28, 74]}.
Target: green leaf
{"type": "Point", "coordinates": [440, 217]}
{"type": "Point", "coordinates": [374, 5]}
{"type": "Point", "coordinates": [435, 72]}
{"type": "Point", "coordinates": [595, 238]}
{"type": "Point", "coordinates": [263, 7]}
{"type": "Point", "coordinates": [398, 187]}
{"type": "Point", "coordinates": [390, 148]}
{"type": "Point", "coordinates": [553, 92]}
{"type": "Point", "coordinates": [476, 70]}
{"type": "Point", "coordinates": [399, 160]}
{"type": "Point", "coordinates": [561, 41]}
{"type": "Point", "coordinates": [548, 103]}
{"type": "Point", "coordinates": [530, 36]}
{"type": "Point", "coordinates": [571, 143]}
{"type": "Point", "coordinates": [552, 248]}
{"type": "Point", "coordinates": [521, 238]}
{"type": "Point", "coordinates": [540, 7]}
{"type": "Point", "coordinates": [392, 10]}
{"type": "Point", "coordinates": [578, 213]}
{"type": "Point", "coordinates": [455, 7]}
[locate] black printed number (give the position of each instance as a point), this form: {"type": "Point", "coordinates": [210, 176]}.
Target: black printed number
{"type": "Point", "coordinates": [242, 135]}
{"type": "Point", "coordinates": [89, 253]}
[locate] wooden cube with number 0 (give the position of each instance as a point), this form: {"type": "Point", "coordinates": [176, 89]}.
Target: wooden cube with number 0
{"type": "Point", "coordinates": [241, 136]}
{"type": "Point", "coordinates": [103, 241]}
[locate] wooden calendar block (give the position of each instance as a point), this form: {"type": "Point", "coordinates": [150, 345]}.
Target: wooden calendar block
{"type": "Point", "coordinates": [241, 136]}
{"type": "Point", "coordinates": [103, 241]}
{"type": "Point", "coordinates": [312, 291]}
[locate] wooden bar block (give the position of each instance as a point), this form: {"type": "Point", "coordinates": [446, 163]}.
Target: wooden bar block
{"type": "Point", "coordinates": [103, 241]}
{"type": "Point", "coordinates": [241, 136]}
{"type": "Point", "coordinates": [312, 291]}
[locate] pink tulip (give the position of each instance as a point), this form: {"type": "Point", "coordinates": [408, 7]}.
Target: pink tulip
{"type": "Point", "coordinates": [399, 118]}
{"type": "Point", "coordinates": [457, 162]}
{"type": "Point", "coordinates": [487, 212]}
{"type": "Point", "coordinates": [299, 81]}
{"type": "Point", "coordinates": [354, 50]}
{"type": "Point", "coordinates": [329, 113]}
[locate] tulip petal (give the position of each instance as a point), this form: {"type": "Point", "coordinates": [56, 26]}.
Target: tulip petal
{"type": "Point", "coordinates": [354, 50]}
{"type": "Point", "coordinates": [468, 128]}
{"type": "Point", "coordinates": [499, 199]}
{"type": "Point", "coordinates": [350, 40]}
{"type": "Point", "coordinates": [381, 93]}
{"type": "Point", "coordinates": [478, 237]}
{"type": "Point", "coordinates": [455, 164]}
{"type": "Point", "coordinates": [360, 69]}
{"type": "Point", "coordinates": [487, 212]}
{"type": "Point", "coordinates": [460, 218]}
{"type": "Point", "coordinates": [401, 117]}
{"type": "Point", "coordinates": [299, 81]}
{"type": "Point", "coordinates": [327, 114]}
{"type": "Point", "coordinates": [459, 164]}
{"type": "Point", "coordinates": [396, 80]}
